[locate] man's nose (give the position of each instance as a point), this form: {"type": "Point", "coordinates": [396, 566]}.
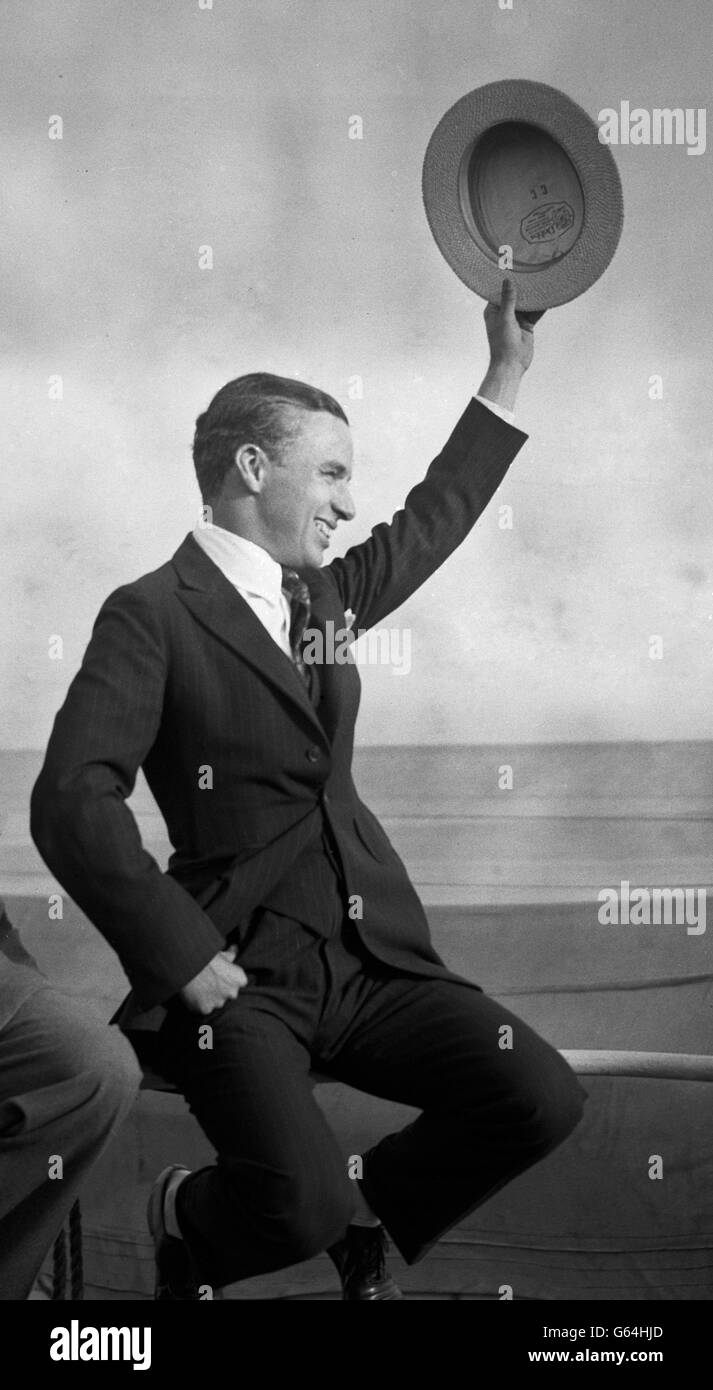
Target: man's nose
{"type": "Point", "coordinates": [343, 504]}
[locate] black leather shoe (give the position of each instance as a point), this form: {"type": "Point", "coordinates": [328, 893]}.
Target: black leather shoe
{"type": "Point", "coordinates": [176, 1278]}
{"type": "Point", "coordinates": [360, 1258]}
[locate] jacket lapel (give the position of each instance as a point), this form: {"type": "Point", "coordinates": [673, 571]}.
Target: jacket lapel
{"type": "Point", "coordinates": [217, 606]}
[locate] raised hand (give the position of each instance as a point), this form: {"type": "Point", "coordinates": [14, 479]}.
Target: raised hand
{"type": "Point", "coordinates": [512, 342]}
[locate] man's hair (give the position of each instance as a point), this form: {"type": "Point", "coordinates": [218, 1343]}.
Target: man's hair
{"type": "Point", "coordinates": [253, 409]}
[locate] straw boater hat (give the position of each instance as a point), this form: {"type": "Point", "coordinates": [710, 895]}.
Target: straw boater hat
{"type": "Point", "coordinates": [519, 165]}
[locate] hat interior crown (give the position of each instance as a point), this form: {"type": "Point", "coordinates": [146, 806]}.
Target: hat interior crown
{"type": "Point", "coordinates": [518, 188]}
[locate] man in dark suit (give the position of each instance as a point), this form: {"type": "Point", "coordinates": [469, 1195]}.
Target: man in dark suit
{"type": "Point", "coordinates": [285, 934]}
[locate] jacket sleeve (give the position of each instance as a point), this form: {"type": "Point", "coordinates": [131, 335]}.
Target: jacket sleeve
{"type": "Point", "coordinates": [79, 819]}
{"type": "Point", "coordinates": [378, 575]}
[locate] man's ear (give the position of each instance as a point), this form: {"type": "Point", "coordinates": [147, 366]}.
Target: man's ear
{"type": "Point", "coordinates": [251, 464]}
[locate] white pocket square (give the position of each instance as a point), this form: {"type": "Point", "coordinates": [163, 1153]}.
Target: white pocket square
{"type": "Point", "coordinates": [349, 619]}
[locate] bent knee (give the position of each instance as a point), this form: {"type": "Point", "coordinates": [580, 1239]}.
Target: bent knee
{"type": "Point", "coordinates": [304, 1217]}
{"type": "Point", "coordinates": [104, 1069]}
{"type": "Point", "coordinates": [554, 1109]}
{"type": "Point", "coordinates": [116, 1067]}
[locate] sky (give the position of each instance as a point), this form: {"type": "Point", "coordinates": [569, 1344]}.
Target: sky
{"type": "Point", "coordinates": [185, 127]}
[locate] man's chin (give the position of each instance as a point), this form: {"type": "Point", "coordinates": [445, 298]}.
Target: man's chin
{"type": "Point", "coordinates": [311, 556]}
{"type": "Point", "coordinates": [298, 559]}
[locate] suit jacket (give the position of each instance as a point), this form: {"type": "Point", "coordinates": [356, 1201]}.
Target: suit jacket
{"type": "Point", "coordinates": [181, 678]}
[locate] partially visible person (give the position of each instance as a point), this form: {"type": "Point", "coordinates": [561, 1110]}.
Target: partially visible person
{"type": "Point", "coordinates": [66, 1084]}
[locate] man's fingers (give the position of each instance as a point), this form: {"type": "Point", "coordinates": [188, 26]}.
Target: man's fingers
{"type": "Point", "coordinates": [231, 973]}
{"type": "Point", "coordinates": [232, 987]}
{"type": "Point", "coordinates": [528, 318]}
{"type": "Point", "coordinates": [508, 302]}
{"type": "Point", "coordinates": [508, 297]}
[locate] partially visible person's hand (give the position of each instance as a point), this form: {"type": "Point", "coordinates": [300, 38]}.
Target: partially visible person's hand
{"type": "Point", "coordinates": [510, 334]}
{"type": "Point", "coordinates": [511, 339]}
{"type": "Point", "coordinates": [221, 979]}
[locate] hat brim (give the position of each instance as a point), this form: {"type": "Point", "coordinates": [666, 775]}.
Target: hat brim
{"type": "Point", "coordinates": [569, 126]}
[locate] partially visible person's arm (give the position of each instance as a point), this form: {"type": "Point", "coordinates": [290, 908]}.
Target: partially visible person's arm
{"type": "Point", "coordinates": [378, 575]}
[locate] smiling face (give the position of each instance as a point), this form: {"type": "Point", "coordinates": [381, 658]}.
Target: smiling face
{"type": "Point", "coordinates": [305, 491]}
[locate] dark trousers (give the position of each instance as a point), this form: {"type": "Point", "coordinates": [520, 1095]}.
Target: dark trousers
{"type": "Point", "coordinates": [280, 1191]}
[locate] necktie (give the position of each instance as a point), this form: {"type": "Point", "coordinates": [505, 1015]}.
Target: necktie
{"type": "Point", "coordinates": [300, 609]}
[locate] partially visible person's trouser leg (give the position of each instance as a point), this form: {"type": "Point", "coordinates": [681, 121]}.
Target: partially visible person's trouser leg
{"type": "Point", "coordinates": [495, 1097]}
{"type": "Point", "coordinates": [279, 1192]}
{"type": "Point", "coordinates": [66, 1083]}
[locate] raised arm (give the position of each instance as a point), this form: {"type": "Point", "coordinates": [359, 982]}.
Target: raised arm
{"type": "Point", "coordinates": [379, 574]}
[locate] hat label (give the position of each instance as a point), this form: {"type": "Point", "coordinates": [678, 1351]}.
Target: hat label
{"type": "Point", "coordinates": [547, 222]}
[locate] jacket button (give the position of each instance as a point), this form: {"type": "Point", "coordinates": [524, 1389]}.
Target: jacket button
{"type": "Point", "coordinates": [313, 755]}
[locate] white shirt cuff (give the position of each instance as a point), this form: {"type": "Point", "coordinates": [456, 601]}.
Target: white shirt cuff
{"type": "Point", "coordinates": [501, 410]}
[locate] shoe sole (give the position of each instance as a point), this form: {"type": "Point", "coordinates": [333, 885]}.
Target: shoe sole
{"type": "Point", "coordinates": [381, 1297]}
{"type": "Point", "coordinates": [157, 1196]}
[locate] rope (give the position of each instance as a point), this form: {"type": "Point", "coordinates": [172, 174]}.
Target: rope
{"type": "Point", "coordinates": [76, 1259]}
{"type": "Point", "coordinates": [59, 1267]}
{"type": "Point", "coordinates": [76, 1256]}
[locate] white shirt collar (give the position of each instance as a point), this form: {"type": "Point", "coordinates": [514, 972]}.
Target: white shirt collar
{"type": "Point", "coordinates": [246, 565]}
